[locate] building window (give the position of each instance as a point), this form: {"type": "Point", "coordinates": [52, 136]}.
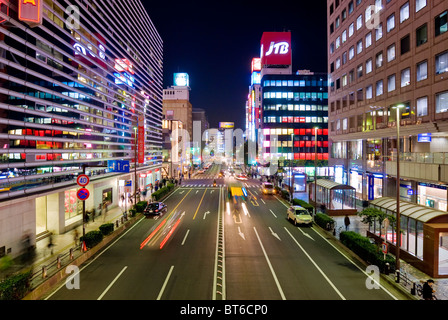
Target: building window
{"type": "Point", "coordinates": [404, 12]}
{"type": "Point", "coordinates": [391, 83]}
{"type": "Point", "coordinates": [442, 63]}
{"type": "Point", "coordinates": [359, 47]}
{"type": "Point", "coordinates": [405, 44]}
{"type": "Point", "coordinates": [442, 102]}
{"type": "Point", "coordinates": [344, 36]}
{"type": "Point", "coordinates": [419, 4]}
{"type": "Point", "coordinates": [441, 23]}
{"type": "Point", "coordinates": [379, 32]}
{"type": "Point", "coordinates": [379, 88]}
{"type": "Point", "coordinates": [351, 30]}
{"type": "Point", "coordinates": [369, 66]}
{"type": "Point", "coordinates": [359, 22]}
{"type": "Point", "coordinates": [391, 53]}
{"type": "Point", "coordinates": [390, 24]}
{"type": "Point", "coordinates": [369, 92]}
{"type": "Point", "coordinates": [359, 71]}
{"type": "Point", "coordinates": [422, 106]}
{"type": "Point", "coordinates": [351, 53]}
{"type": "Point", "coordinates": [422, 35]}
{"type": "Point", "coordinates": [379, 59]}
{"type": "Point", "coordinates": [369, 39]}
{"type": "Point", "coordinates": [422, 70]}
{"type": "Point", "coordinates": [405, 77]}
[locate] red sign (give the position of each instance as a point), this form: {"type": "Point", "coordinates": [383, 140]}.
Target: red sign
{"type": "Point", "coordinates": [141, 139]}
{"type": "Point", "coordinates": [276, 48]}
{"type": "Point", "coordinates": [83, 180]}
{"type": "Point", "coordinates": [83, 194]}
{"type": "Point", "coordinates": [30, 11]}
{"type": "Point", "coordinates": [256, 64]}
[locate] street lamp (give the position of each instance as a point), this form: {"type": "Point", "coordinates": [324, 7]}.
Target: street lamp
{"type": "Point", "coordinates": [398, 222]}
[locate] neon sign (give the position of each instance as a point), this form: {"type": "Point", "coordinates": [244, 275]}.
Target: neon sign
{"type": "Point", "coordinates": [30, 11]}
{"type": "Point", "coordinates": [122, 65]}
{"type": "Point", "coordinates": [80, 49]}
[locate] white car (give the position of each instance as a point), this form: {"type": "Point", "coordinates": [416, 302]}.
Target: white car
{"type": "Point", "coordinates": [299, 215]}
{"type": "Point", "coordinates": [268, 188]}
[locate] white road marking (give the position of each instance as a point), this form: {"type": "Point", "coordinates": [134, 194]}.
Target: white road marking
{"type": "Point", "coordinates": [111, 284]}
{"type": "Point", "coordinates": [186, 235]}
{"type": "Point", "coordinates": [279, 287]}
{"type": "Point", "coordinates": [165, 283]}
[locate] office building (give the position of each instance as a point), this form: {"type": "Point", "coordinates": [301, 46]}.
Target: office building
{"type": "Point", "coordinates": [83, 90]}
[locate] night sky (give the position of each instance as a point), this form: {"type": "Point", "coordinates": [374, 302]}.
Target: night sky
{"type": "Point", "coordinates": [215, 41]}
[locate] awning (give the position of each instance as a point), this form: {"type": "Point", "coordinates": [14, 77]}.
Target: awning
{"type": "Point", "coordinates": [408, 209]}
{"type": "Point", "coordinates": [331, 185]}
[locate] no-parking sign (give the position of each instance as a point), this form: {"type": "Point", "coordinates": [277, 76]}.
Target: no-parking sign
{"type": "Point", "coordinates": [83, 194]}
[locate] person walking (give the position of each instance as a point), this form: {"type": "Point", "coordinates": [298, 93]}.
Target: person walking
{"type": "Point", "coordinates": [346, 222]}
{"type": "Point", "coordinates": [428, 291]}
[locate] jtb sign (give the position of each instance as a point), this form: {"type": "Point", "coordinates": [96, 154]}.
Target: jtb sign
{"type": "Point", "coordinates": [30, 11]}
{"type": "Point", "coordinates": [276, 48]}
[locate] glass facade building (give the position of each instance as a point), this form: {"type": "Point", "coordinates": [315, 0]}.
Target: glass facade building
{"type": "Point", "coordinates": [73, 91]}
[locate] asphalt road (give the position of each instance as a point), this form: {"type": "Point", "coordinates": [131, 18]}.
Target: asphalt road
{"type": "Point", "coordinates": [204, 249]}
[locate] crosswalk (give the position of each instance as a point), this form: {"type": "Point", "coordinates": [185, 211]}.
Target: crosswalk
{"type": "Point", "coordinates": [210, 185]}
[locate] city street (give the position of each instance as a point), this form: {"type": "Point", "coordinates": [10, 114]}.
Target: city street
{"type": "Point", "coordinates": [177, 256]}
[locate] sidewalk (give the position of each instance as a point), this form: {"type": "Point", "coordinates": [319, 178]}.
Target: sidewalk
{"type": "Point", "coordinates": [44, 256]}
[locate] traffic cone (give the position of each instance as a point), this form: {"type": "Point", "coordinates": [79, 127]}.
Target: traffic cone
{"type": "Point", "coordinates": [84, 247]}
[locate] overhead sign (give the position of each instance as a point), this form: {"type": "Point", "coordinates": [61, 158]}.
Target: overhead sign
{"type": "Point", "coordinates": [83, 180]}
{"type": "Point", "coordinates": [30, 11]}
{"type": "Point", "coordinates": [83, 194]}
{"type": "Point", "coordinates": [425, 137]}
{"type": "Point", "coordinates": [276, 48]}
{"type": "Point", "coordinates": [118, 166]}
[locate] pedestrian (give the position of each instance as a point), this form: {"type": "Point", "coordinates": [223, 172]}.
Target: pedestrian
{"type": "Point", "coordinates": [428, 291]}
{"type": "Point", "coordinates": [50, 245]}
{"type": "Point", "coordinates": [76, 236]}
{"type": "Point", "coordinates": [346, 222]}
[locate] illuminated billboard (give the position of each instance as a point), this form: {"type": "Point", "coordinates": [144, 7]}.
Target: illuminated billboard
{"type": "Point", "coordinates": [30, 11]}
{"type": "Point", "coordinates": [226, 125]}
{"type": "Point", "coordinates": [276, 48]}
{"type": "Point", "coordinates": [181, 80]}
{"type": "Point", "coordinates": [256, 78]}
{"type": "Point", "coordinates": [256, 64]}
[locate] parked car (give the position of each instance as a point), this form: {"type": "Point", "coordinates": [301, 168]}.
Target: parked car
{"type": "Point", "coordinates": [155, 208]}
{"type": "Point", "coordinates": [267, 188]}
{"type": "Point", "coordinates": [299, 215]}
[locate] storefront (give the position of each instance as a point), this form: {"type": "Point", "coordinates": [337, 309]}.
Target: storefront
{"type": "Point", "coordinates": [375, 185]}
{"type": "Point", "coordinates": [433, 196]}
{"type": "Point", "coordinates": [356, 181]}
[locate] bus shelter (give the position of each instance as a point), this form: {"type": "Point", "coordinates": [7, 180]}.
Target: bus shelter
{"type": "Point", "coordinates": [423, 234]}
{"type": "Point", "coordinates": [337, 199]}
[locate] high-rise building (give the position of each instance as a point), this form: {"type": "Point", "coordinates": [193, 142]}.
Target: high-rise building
{"type": "Point", "coordinates": [79, 90]}
{"type": "Point", "coordinates": [293, 112]}
{"type": "Point", "coordinates": [382, 55]}
{"type": "Point", "coordinates": [388, 63]}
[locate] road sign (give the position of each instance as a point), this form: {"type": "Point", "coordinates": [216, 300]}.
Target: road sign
{"type": "Point", "coordinates": [83, 194]}
{"type": "Point", "coordinates": [83, 180]}
{"type": "Point", "coordinates": [128, 183]}
{"type": "Point", "coordinates": [118, 166]}
{"type": "Point", "coordinates": [384, 247]}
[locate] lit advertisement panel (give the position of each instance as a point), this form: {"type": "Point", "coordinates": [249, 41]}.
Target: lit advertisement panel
{"type": "Point", "coordinates": [256, 78]}
{"type": "Point", "coordinates": [30, 11]}
{"type": "Point", "coordinates": [226, 125]}
{"type": "Point", "coordinates": [256, 64]}
{"type": "Point", "coordinates": [181, 80]}
{"type": "Point", "coordinates": [276, 48]}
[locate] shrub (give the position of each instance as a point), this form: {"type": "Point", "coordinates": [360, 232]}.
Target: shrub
{"type": "Point", "coordinates": [324, 221]}
{"type": "Point", "coordinates": [15, 287]}
{"type": "Point", "coordinates": [133, 212]}
{"type": "Point", "coordinates": [366, 250]}
{"type": "Point", "coordinates": [304, 204]}
{"type": "Point", "coordinates": [107, 229]}
{"type": "Point", "coordinates": [140, 206]}
{"type": "Point", "coordinates": [92, 238]}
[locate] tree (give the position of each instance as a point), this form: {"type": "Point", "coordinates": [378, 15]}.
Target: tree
{"type": "Point", "coordinates": [370, 215]}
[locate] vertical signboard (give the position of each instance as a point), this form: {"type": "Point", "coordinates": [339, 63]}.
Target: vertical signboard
{"type": "Point", "coordinates": [141, 139]}
{"type": "Point", "coordinates": [30, 11]}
